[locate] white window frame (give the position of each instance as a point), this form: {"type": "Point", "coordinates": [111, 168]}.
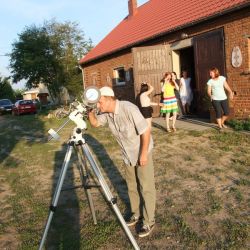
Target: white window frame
{"type": "Point", "coordinates": [116, 76]}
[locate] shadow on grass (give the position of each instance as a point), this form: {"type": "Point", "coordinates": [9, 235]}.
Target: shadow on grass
{"type": "Point", "coordinates": [14, 129]}
{"type": "Point", "coordinates": [114, 175]}
{"type": "Point", "coordinates": [64, 231]}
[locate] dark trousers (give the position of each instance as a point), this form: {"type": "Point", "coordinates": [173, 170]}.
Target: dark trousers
{"type": "Point", "coordinates": [219, 106]}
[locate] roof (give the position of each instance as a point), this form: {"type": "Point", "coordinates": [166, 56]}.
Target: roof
{"type": "Point", "coordinates": [31, 91]}
{"type": "Point", "coordinates": [156, 17]}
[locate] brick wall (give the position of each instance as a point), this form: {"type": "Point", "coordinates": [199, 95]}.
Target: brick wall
{"type": "Point", "coordinates": [105, 75]}
{"type": "Point", "coordinates": [236, 33]}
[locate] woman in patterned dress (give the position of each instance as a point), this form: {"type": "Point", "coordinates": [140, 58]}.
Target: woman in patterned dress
{"type": "Point", "coordinates": [169, 100]}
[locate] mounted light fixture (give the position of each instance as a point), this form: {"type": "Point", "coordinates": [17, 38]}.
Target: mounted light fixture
{"type": "Point", "coordinates": [184, 35]}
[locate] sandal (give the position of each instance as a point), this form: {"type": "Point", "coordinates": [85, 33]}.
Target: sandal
{"type": "Point", "coordinates": [169, 130]}
{"type": "Point", "coordinates": [174, 129]}
{"type": "Point", "coordinates": [224, 126]}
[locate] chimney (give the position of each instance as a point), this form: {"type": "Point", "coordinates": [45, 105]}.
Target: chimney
{"type": "Point", "coordinates": [132, 7]}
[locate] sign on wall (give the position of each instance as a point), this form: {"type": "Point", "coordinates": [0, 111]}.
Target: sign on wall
{"type": "Point", "coordinates": [236, 57]}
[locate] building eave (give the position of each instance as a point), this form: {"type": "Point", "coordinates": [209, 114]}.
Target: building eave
{"type": "Point", "coordinates": [161, 34]}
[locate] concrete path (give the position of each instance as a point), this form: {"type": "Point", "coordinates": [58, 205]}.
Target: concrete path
{"type": "Point", "coordinates": [185, 123]}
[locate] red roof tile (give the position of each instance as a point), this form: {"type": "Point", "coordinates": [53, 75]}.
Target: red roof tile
{"type": "Point", "coordinates": [156, 17]}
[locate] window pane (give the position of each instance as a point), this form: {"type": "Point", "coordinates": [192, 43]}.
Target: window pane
{"type": "Point", "coordinates": [121, 75]}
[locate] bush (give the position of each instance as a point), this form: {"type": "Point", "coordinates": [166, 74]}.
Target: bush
{"type": "Point", "coordinates": [239, 124]}
{"type": "Point", "coordinates": [247, 124]}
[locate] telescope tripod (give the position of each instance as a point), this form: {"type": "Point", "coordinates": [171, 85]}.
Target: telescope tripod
{"type": "Point", "coordinates": [84, 155]}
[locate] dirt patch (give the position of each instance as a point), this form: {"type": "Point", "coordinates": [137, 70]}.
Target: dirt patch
{"type": "Point", "coordinates": [9, 238]}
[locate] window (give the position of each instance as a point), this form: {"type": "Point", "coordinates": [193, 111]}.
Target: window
{"type": "Point", "coordinates": [119, 75]}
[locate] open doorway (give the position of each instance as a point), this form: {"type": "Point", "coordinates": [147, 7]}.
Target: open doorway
{"type": "Point", "coordinates": [183, 59]}
{"type": "Point", "coordinates": [186, 60]}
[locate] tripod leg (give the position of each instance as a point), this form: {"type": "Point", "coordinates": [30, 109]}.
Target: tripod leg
{"type": "Point", "coordinates": [56, 194]}
{"type": "Point", "coordinates": [84, 180]}
{"type": "Point", "coordinates": [108, 194]}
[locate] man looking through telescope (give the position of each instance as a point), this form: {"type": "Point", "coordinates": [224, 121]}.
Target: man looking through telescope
{"type": "Point", "coordinates": [133, 135]}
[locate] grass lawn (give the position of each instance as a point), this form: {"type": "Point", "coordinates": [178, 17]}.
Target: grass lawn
{"type": "Point", "coordinates": [202, 181]}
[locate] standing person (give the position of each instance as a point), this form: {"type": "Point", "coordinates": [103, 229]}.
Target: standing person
{"type": "Point", "coordinates": [169, 101]}
{"type": "Point", "coordinates": [144, 103]}
{"type": "Point", "coordinates": [177, 95]}
{"type": "Point", "coordinates": [133, 136]}
{"type": "Point", "coordinates": [216, 91]}
{"type": "Point", "coordinates": [186, 91]}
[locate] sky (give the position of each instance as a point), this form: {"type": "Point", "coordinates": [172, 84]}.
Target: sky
{"type": "Point", "coordinates": [96, 18]}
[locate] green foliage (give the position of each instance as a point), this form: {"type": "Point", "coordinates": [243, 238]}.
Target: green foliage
{"type": "Point", "coordinates": [240, 124]}
{"type": "Point", "coordinates": [229, 139]}
{"type": "Point", "coordinates": [213, 202]}
{"type": "Point", "coordinates": [247, 125]}
{"type": "Point", "coordinates": [32, 58]}
{"type": "Point", "coordinates": [49, 54]}
{"type": "Point", "coordinates": [19, 93]}
{"type": "Point", "coordinates": [186, 233]}
{"type": "Point", "coordinates": [236, 234]}
{"type": "Point", "coordinates": [6, 91]}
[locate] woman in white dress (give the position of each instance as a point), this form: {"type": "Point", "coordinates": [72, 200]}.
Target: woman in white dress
{"type": "Point", "coordinates": [186, 91]}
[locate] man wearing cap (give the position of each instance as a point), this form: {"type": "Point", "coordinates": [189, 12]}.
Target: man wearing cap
{"type": "Point", "coordinates": [133, 135]}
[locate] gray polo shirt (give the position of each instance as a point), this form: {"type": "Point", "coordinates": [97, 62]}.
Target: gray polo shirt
{"type": "Point", "coordinates": [126, 124]}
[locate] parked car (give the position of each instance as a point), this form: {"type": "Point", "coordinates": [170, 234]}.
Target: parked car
{"type": "Point", "coordinates": [5, 106]}
{"type": "Point", "coordinates": [37, 103]}
{"type": "Point", "coordinates": [24, 107]}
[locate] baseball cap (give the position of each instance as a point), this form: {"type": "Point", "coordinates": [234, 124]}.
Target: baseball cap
{"type": "Point", "coordinates": [107, 91]}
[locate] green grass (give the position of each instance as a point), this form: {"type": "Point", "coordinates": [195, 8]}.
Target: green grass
{"type": "Point", "coordinates": [236, 234]}
{"type": "Point", "coordinates": [202, 181]}
{"type": "Point", "coordinates": [187, 235]}
{"type": "Point", "coordinates": [214, 203]}
{"type": "Point", "coordinates": [239, 124]}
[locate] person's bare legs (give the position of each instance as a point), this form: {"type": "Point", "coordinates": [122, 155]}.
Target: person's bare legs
{"type": "Point", "coordinates": [184, 108]}
{"type": "Point", "coordinates": [167, 122]}
{"type": "Point", "coordinates": [174, 120]}
{"type": "Point", "coordinates": [219, 122]}
{"type": "Point", "coordinates": [223, 119]}
{"type": "Point", "coordinates": [149, 121]}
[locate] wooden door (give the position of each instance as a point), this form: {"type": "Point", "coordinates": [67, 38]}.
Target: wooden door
{"type": "Point", "coordinates": [208, 53]}
{"type": "Point", "coordinates": [149, 65]}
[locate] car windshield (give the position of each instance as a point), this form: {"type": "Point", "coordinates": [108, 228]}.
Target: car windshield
{"type": "Point", "coordinates": [5, 102]}
{"type": "Point", "coordinates": [25, 102]}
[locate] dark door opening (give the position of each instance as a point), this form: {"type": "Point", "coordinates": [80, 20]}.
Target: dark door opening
{"type": "Point", "coordinates": [187, 64]}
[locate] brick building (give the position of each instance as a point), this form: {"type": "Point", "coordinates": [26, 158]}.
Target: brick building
{"type": "Point", "coordinates": [161, 36]}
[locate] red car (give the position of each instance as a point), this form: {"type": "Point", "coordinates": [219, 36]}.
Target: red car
{"type": "Point", "coordinates": [24, 107]}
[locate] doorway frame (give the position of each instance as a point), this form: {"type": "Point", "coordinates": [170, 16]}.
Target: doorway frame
{"type": "Point", "coordinates": [175, 48]}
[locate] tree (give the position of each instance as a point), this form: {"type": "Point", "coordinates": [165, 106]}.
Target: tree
{"type": "Point", "coordinates": [49, 55]}
{"type": "Point", "coordinates": [19, 93]}
{"type": "Point", "coordinates": [6, 91]}
{"type": "Point", "coordinates": [68, 40]}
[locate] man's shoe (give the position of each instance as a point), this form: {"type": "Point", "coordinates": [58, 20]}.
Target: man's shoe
{"type": "Point", "coordinates": [145, 230]}
{"type": "Point", "coordinates": [132, 220]}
